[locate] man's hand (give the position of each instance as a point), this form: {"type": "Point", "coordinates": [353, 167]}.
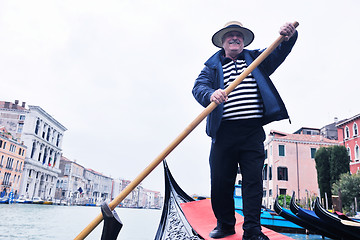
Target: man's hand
{"type": "Point", "coordinates": [287, 30]}
{"type": "Point", "coordinates": [219, 96]}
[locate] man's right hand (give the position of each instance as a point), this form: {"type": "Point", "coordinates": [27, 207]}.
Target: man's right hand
{"type": "Point", "coordinates": [219, 96]}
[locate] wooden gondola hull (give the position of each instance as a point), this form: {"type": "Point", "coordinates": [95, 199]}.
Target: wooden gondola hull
{"type": "Point", "coordinates": [350, 231]}
{"type": "Point", "coordinates": [312, 219]}
{"type": "Point", "coordinates": [185, 218]}
{"type": "Point", "coordinates": [173, 223]}
{"type": "Point", "coordinates": [287, 214]}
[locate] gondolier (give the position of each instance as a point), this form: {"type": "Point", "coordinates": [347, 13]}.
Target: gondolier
{"type": "Point", "coordinates": [235, 126]}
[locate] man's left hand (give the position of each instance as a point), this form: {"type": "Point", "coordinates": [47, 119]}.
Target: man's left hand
{"type": "Point", "coordinates": [287, 30]}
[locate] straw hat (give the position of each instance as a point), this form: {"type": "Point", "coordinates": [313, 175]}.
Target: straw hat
{"type": "Point", "coordinates": [232, 26]}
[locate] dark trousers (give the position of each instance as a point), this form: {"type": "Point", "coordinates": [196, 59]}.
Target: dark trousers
{"type": "Point", "coordinates": [238, 143]}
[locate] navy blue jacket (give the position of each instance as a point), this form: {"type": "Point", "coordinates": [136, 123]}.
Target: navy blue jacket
{"type": "Point", "coordinates": [211, 78]}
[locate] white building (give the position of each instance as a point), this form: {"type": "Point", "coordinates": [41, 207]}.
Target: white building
{"type": "Point", "coordinates": [71, 183]}
{"type": "Point", "coordinates": [97, 186]}
{"type": "Point", "coordinates": [42, 135]}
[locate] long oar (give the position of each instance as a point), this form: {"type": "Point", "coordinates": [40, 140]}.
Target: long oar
{"type": "Point", "coordinates": [92, 225]}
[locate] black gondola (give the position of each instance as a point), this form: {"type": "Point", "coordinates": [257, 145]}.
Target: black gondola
{"type": "Point", "coordinates": [349, 229]}
{"type": "Point", "coordinates": [173, 224]}
{"type": "Point", "coordinates": [312, 219]}
{"type": "Point", "coordinates": [288, 215]}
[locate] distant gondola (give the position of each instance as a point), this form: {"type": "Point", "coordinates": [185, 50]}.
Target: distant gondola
{"type": "Point", "coordinates": [348, 229]}
{"type": "Point", "coordinates": [312, 219]}
{"type": "Point", "coordinates": [288, 215]}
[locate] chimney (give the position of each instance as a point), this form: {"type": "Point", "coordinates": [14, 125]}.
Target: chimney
{"type": "Point", "coordinates": [335, 119]}
{"type": "Point", "coordinates": [16, 102]}
{"type": "Point", "coordinates": [23, 104]}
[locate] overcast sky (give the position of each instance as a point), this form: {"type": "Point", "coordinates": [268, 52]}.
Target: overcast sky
{"type": "Point", "coordinates": [119, 74]}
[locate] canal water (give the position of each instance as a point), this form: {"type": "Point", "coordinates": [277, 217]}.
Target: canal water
{"type": "Point", "coordinates": [40, 222]}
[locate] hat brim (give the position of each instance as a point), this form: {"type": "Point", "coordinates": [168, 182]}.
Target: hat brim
{"type": "Point", "coordinates": [247, 33]}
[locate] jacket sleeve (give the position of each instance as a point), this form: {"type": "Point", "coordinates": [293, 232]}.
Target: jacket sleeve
{"type": "Point", "coordinates": [204, 86]}
{"type": "Point", "coordinates": [277, 57]}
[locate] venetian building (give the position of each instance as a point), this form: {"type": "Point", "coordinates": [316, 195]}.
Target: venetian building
{"type": "Point", "coordinates": [348, 135]}
{"type": "Point", "coordinates": [71, 183]}
{"type": "Point", "coordinates": [290, 164]}
{"type": "Point", "coordinates": [12, 157]}
{"type": "Point", "coordinates": [42, 135]}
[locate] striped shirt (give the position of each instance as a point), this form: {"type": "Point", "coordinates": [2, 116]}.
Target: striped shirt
{"type": "Point", "coordinates": [245, 101]}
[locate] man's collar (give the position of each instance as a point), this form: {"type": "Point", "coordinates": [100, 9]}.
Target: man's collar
{"type": "Point", "coordinates": [225, 60]}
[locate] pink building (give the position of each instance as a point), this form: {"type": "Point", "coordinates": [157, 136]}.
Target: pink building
{"type": "Point", "coordinates": [12, 158]}
{"type": "Point", "coordinates": [290, 164]}
{"type": "Point", "coordinates": [348, 135]}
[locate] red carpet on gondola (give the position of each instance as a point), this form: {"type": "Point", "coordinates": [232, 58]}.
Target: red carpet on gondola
{"type": "Point", "coordinates": [202, 219]}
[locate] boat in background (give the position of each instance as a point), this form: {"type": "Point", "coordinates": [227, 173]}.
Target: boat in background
{"type": "Point", "coordinates": [23, 200]}
{"type": "Point", "coordinates": [349, 229]}
{"type": "Point", "coordinates": [37, 200]}
{"type": "Point", "coordinates": [287, 214]}
{"type": "Point", "coordinates": [5, 200]}
{"type": "Point", "coordinates": [48, 202]}
{"type": "Point", "coordinates": [268, 218]}
{"type": "Point", "coordinates": [312, 219]}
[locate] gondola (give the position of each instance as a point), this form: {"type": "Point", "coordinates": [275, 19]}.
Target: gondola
{"type": "Point", "coordinates": [173, 223]}
{"type": "Point", "coordinates": [182, 215]}
{"type": "Point", "coordinates": [268, 218]}
{"type": "Point", "coordinates": [288, 215]}
{"type": "Point", "coordinates": [348, 229]}
{"type": "Point", "coordinates": [312, 219]}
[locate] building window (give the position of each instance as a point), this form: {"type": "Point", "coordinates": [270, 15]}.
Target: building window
{"type": "Point", "coordinates": [281, 150]}
{"type": "Point", "coordinates": [270, 173]}
{"type": "Point", "coordinates": [20, 127]}
{"type": "Point", "coordinates": [265, 169]}
{"type": "Point", "coordinates": [282, 191]}
{"type": "Point", "coordinates": [355, 129]}
{"type": "Point", "coordinates": [356, 153]}
{"type": "Point", "coordinates": [282, 173]}
{"type": "Point", "coordinates": [266, 153]}
{"type": "Point", "coordinates": [270, 192]}
{"type": "Point", "coordinates": [349, 153]}
{"type": "Point", "coordinates": [313, 151]}
{"type": "Point", "coordinates": [347, 132]}
{"type": "Point", "coordinates": [37, 126]}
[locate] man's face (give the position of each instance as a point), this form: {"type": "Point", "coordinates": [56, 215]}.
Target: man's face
{"type": "Point", "coordinates": [233, 43]}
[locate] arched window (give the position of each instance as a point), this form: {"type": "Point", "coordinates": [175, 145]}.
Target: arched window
{"type": "Point", "coordinates": [347, 132]}
{"type": "Point", "coordinates": [33, 150]}
{"type": "Point", "coordinates": [355, 129]}
{"type": "Point", "coordinates": [37, 126]}
{"type": "Point", "coordinates": [356, 151]}
{"type": "Point", "coordinates": [48, 134]}
{"type": "Point", "coordinates": [349, 153]}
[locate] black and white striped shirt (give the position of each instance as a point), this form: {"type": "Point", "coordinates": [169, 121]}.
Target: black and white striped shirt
{"type": "Point", "coordinates": [245, 101]}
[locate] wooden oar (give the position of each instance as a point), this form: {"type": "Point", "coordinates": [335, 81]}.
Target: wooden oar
{"type": "Point", "coordinates": [92, 225]}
